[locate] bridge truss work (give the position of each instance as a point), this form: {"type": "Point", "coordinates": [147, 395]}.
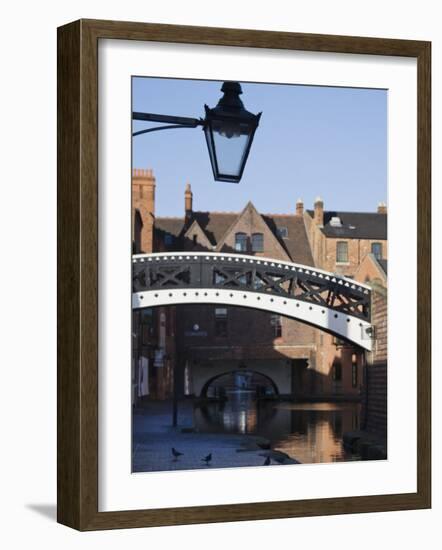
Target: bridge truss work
{"type": "Point", "coordinates": [335, 304]}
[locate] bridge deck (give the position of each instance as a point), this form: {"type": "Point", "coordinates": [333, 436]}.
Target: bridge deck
{"type": "Point", "coordinates": [336, 304]}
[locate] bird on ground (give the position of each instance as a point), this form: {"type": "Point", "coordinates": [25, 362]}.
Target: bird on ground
{"type": "Point", "coordinates": [207, 459]}
{"type": "Point", "coordinates": [176, 453]}
{"type": "Point", "coordinates": [267, 461]}
{"type": "Point", "coordinates": [283, 458]}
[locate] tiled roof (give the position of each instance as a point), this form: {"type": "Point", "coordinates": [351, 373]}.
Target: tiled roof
{"type": "Point", "coordinates": [215, 225]}
{"type": "Point", "coordinates": [384, 265]}
{"type": "Point", "coordinates": [173, 226]}
{"type": "Point", "coordinates": [356, 225]}
{"type": "Point", "coordinates": [296, 243]}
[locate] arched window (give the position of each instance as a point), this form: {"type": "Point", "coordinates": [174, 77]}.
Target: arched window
{"type": "Point", "coordinates": [241, 242]}
{"type": "Point", "coordinates": [258, 242]}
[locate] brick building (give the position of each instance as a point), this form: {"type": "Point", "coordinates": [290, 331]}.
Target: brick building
{"type": "Point", "coordinates": [210, 341]}
{"type": "Point", "coordinates": [153, 332]}
{"type": "Point", "coordinates": [215, 340]}
{"type": "Point", "coordinates": [340, 242]}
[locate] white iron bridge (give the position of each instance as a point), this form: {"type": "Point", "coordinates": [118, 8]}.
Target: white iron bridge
{"type": "Point", "coordinates": [335, 304]}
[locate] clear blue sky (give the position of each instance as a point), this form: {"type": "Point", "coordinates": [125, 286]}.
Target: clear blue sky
{"type": "Point", "coordinates": [311, 141]}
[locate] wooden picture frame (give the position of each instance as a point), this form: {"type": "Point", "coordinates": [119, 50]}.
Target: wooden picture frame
{"type": "Point", "coordinates": [78, 274]}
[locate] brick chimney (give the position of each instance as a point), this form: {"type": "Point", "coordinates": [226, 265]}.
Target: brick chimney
{"type": "Point", "coordinates": [188, 201]}
{"type": "Point", "coordinates": [299, 207]}
{"type": "Point", "coordinates": [382, 208]}
{"type": "Point", "coordinates": [143, 200]}
{"type": "Point", "coordinates": [319, 212]}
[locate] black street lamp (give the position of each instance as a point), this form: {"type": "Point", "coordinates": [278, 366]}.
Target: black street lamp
{"type": "Point", "coordinates": [229, 129]}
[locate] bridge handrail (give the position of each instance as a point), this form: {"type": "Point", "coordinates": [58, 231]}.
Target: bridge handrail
{"type": "Point", "coordinates": [186, 255]}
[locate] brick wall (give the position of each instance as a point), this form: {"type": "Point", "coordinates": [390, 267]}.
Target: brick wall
{"type": "Point", "coordinates": [375, 398]}
{"type": "Point", "coordinates": [245, 327]}
{"type": "Point", "coordinates": [379, 320]}
{"type": "Point", "coordinates": [357, 250]}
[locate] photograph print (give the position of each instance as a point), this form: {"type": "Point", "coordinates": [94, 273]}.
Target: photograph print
{"type": "Point", "coordinates": [259, 273]}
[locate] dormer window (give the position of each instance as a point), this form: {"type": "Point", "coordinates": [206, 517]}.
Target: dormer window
{"type": "Point", "coordinates": [240, 242]}
{"type": "Point", "coordinates": [257, 242]}
{"type": "Point", "coordinates": [336, 221]}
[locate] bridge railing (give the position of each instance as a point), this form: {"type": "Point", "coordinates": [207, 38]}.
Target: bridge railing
{"type": "Point", "coordinates": [252, 274]}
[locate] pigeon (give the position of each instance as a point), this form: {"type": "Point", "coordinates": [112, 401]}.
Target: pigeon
{"type": "Point", "coordinates": [264, 445]}
{"type": "Point", "coordinates": [207, 459]}
{"type": "Point", "coordinates": [267, 461]}
{"type": "Point", "coordinates": [176, 453]}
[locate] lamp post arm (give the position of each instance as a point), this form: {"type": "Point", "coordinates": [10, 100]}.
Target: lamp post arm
{"type": "Point", "coordinates": [157, 128]}
{"type": "Point", "coordinates": [179, 120]}
{"type": "Point", "coordinates": [174, 122]}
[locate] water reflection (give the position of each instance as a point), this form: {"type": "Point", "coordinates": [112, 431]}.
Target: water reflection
{"type": "Point", "coordinates": [309, 432]}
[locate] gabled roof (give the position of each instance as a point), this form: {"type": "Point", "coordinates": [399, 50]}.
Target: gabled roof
{"type": "Point", "coordinates": [195, 228]}
{"type": "Point", "coordinates": [249, 213]}
{"type": "Point", "coordinates": [356, 225]}
{"type": "Point", "coordinates": [372, 270]}
{"type": "Point", "coordinates": [216, 225]}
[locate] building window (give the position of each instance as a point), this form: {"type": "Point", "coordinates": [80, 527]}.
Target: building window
{"type": "Point", "coordinates": [275, 321]}
{"type": "Point", "coordinates": [195, 239]}
{"type": "Point", "coordinates": [341, 252]}
{"type": "Point", "coordinates": [337, 372]}
{"type": "Point", "coordinates": [283, 232]}
{"type": "Point", "coordinates": [240, 242]}
{"type": "Point", "coordinates": [376, 250]}
{"type": "Point", "coordinates": [221, 322]}
{"type": "Point", "coordinates": [168, 239]}
{"type": "Point", "coordinates": [354, 372]}
{"type": "Point", "coordinates": [258, 242]}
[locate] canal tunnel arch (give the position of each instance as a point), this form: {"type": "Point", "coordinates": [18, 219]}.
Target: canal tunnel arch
{"type": "Point", "coordinates": [250, 373]}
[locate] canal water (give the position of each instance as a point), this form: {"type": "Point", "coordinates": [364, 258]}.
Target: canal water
{"type": "Point", "coordinates": [308, 432]}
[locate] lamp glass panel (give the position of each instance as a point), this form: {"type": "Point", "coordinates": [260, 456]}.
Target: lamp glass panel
{"type": "Point", "coordinates": [230, 152]}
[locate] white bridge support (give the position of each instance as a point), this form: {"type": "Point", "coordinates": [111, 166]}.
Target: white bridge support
{"type": "Point", "coordinates": [342, 324]}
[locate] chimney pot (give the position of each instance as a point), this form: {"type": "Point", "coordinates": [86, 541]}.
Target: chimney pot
{"type": "Point", "coordinates": [299, 207]}
{"type": "Point", "coordinates": [382, 208]}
